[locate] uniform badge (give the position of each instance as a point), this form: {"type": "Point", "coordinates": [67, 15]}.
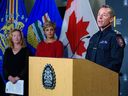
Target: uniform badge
{"type": "Point", "coordinates": [120, 41]}
{"type": "Point", "coordinates": [103, 42]}
{"type": "Point", "coordinates": [49, 77]}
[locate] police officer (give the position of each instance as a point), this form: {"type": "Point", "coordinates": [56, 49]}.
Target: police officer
{"type": "Point", "coordinates": [106, 47]}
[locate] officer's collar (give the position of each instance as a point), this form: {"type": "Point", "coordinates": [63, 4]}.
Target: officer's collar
{"type": "Point", "coordinates": [105, 31]}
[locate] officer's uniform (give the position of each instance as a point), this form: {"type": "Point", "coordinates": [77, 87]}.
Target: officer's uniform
{"type": "Point", "coordinates": [107, 49]}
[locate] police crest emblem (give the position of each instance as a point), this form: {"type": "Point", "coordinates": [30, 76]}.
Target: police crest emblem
{"type": "Point", "coordinates": [120, 40]}
{"type": "Point", "coordinates": [48, 77]}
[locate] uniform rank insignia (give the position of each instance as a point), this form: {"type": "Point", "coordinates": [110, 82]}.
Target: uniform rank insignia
{"type": "Point", "coordinates": [49, 77]}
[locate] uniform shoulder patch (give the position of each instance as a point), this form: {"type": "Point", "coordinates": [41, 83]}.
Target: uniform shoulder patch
{"type": "Point", "coordinates": [120, 40]}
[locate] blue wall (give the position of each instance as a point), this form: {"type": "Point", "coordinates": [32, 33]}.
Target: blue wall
{"type": "Point", "coordinates": [121, 10]}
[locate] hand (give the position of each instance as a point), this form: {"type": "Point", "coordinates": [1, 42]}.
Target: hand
{"type": "Point", "coordinates": [11, 78]}
{"type": "Point", "coordinates": [17, 78]}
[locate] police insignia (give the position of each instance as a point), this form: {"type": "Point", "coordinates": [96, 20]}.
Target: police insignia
{"type": "Point", "coordinates": [49, 77]}
{"type": "Point", "coordinates": [120, 40]}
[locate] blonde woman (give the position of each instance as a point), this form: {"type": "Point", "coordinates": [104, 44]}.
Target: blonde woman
{"type": "Point", "coordinates": [15, 63]}
{"type": "Point", "coordinates": [51, 47]}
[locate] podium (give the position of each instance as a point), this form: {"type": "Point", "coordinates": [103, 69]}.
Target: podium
{"type": "Point", "coordinates": [73, 77]}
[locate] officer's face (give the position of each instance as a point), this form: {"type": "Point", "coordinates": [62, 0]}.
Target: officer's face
{"type": "Point", "coordinates": [104, 18]}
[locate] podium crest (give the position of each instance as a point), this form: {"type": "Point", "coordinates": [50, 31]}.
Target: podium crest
{"type": "Point", "coordinates": [49, 77]}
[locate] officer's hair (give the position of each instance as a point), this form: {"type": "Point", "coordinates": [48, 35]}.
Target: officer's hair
{"type": "Point", "coordinates": [112, 12]}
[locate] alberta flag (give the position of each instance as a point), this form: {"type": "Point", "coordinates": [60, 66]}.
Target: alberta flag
{"type": "Point", "coordinates": [3, 4]}
{"type": "Point", "coordinates": [78, 26]}
{"type": "Point", "coordinates": [43, 10]}
{"type": "Point", "coordinates": [12, 15]}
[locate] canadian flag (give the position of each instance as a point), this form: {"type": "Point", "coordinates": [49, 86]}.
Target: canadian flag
{"type": "Point", "coordinates": [78, 26]}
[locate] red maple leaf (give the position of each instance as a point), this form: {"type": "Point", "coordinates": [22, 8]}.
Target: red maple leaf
{"type": "Point", "coordinates": [69, 4]}
{"type": "Point", "coordinates": [74, 34]}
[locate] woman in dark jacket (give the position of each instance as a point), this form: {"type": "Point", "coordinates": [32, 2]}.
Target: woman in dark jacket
{"type": "Point", "coordinates": [15, 64]}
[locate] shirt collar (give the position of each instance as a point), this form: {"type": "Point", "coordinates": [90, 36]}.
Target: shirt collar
{"type": "Point", "coordinates": [105, 31]}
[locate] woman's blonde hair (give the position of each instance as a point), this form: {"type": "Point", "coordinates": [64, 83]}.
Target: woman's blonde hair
{"type": "Point", "coordinates": [49, 24]}
{"type": "Point", "coordinates": [10, 43]}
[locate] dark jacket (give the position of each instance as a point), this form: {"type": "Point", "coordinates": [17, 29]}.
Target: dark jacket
{"type": "Point", "coordinates": [104, 49]}
{"type": "Point", "coordinates": [16, 65]}
{"type": "Point", "coordinates": [2, 86]}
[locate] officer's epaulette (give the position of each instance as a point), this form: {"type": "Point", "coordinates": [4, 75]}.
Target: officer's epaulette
{"type": "Point", "coordinates": [117, 32]}
{"type": "Point", "coordinates": [120, 39]}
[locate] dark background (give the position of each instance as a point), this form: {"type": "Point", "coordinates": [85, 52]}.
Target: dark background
{"type": "Point", "coordinates": [121, 10]}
